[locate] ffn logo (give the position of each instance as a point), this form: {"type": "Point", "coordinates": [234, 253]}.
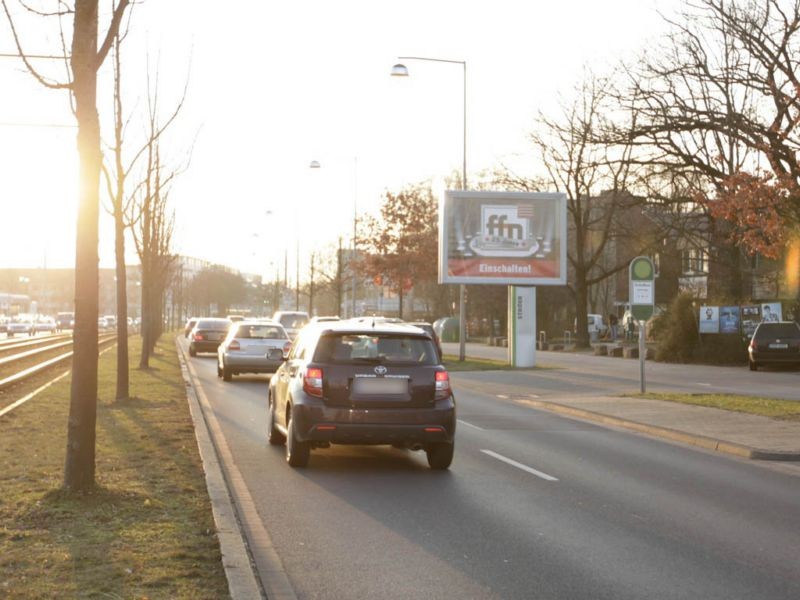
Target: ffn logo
{"type": "Point", "coordinates": [503, 224]}
{"type": "Point", "coordinates": [497, 226]}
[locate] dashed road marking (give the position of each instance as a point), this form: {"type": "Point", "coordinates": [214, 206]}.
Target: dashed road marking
{"type": "Point", "coordinates": [525, 468]}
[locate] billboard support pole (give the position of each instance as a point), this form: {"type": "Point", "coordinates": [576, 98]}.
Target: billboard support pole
{"type": "Point", "coordinates": [522, 326]}
{"type": "Point", "coordinates": [462, 322]}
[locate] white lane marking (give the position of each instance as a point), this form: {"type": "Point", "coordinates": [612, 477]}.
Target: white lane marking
{"type": "Point", "coordinates": [502, 396]}
{"type": "Point", "coordinates": [470, 425]}
{"type": "Point", "coordinates": [514, 463]}
{"type": "Point", "coordinates": [704, 384]}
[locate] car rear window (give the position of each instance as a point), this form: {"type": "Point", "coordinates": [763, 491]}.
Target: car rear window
{"type": "Point", "coordinates": [210, 324]}
{"type": "Point", "coordinates": [777, 330]}
{"type": "Point", "coordinates": [261, 332]}
{"type": "Point", "coordinates": [354, 348]}
{"type": "Point", "coordinates": [293, 321]}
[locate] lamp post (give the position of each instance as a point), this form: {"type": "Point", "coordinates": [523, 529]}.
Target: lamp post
{"type": "Point", "coordinates": [400, 70]}
{"type": "Point", "coordinates": [316, 165]}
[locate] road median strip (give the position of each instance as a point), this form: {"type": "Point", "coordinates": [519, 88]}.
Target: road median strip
{"type": "Point", "coordinates": [144, 530]}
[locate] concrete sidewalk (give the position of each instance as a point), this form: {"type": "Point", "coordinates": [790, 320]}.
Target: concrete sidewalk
{"type": "Point", "coordinates": [740, 434]}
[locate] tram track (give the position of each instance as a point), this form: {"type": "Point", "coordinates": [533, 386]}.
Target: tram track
{"type": "Point", "coordinates": [18, 370]}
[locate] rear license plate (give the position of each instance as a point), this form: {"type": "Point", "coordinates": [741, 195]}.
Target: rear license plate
{"type": "Point", "coordinates": [778, 346]}
{"type": "Point", "coordinates": [389, 386]}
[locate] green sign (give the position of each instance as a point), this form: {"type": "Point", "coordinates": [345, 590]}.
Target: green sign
{"type": "Point", "coordinates": [642, 287]}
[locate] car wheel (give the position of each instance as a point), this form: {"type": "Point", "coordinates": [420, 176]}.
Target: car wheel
{"type": "Point", "coordinates": [219, 370]}
{"type": "Point", "coordinates": [227, 374]}
{"type": "Point", "coordinates": [297, 452]}
{"type": "Point", "coordinates": [274, 437]}
{"type": "Point", "coordinates": [192, 351]}
{"type": "Point", "coordinates": [440, 455]}
{"type": "Point", "coordinates": [753, 366]}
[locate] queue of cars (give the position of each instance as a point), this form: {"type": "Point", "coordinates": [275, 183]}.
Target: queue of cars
{"type": "Point", "coordinates": [27, 325]}
{"type": "Point", "coordinates": [63, 322]}
{"type": "Point", "coordinates": [361, 381]}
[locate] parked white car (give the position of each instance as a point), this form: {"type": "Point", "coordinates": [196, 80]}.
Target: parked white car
{"type": "Point", "coordinates": [20, 327]}
{"type": "Point", "coordinates": [597, 326]}
{"type": "Point", "coordinates": [44, 325]}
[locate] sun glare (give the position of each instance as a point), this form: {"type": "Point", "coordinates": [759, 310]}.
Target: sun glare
{"type": "Point", "coordinates": [793, 268]}
{"type": "Point", "coordinates": [38, 193]}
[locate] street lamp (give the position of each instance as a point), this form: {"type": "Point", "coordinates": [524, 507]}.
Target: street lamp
{"type": "Point", "coordinates": [400, 70]}
{"type": "Point", "coordinates": [316, 165]}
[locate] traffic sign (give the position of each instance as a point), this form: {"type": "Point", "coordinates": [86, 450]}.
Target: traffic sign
{"type": "Point", "coordinates": [642, 287]}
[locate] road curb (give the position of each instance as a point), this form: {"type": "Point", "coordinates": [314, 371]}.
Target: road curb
{"type": "Point", "coordinates": [260, 564]}
{"type": "Point", "coordinates": [675, 435]}
{"type": "Point", "coordinates": [242, 580]}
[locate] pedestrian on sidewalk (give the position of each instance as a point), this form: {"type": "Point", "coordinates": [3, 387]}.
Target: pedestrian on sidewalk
{"type": "Point", "coordinates": [613, 321]}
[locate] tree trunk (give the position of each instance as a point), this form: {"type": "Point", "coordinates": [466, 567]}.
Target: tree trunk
{"type": "Point", "coordinates": [581, 302]}
{"type": "Point", "coordinates": [144, 357]}
{"type": "Point", "coordinates": [79, 465]}
{"type": "Point", "coordinates": [400, 301]}
{"type": "Point", "coordinates": [123, 391]}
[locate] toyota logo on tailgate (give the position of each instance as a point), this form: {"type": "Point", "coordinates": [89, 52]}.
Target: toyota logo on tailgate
{"type": "Point", "coordinates": [380, 370]}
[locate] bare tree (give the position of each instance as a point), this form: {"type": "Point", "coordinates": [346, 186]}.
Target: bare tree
{"type": "Point", "coordinates": [716, 104]}
{"type": "Point", "coordinates": [121, 198]}
{"type": "Point", "coordinates": [596, 175]}
{"type": "Point", "coordinates": [153, 225]}
{"type": "Point", "coordinates": [84, 62]}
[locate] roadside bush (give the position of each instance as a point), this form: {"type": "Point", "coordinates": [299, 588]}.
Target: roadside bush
{"type": "Point", "coordinates": [721, 349]}
{"type": "Point", "coordinates": [675, 331]}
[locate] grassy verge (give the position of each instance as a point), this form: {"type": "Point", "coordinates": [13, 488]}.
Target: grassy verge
{"type": "Point", "coordinates": [755, 405]}
{"type": "Point", "coordinates": [145, 532]}
{"type": "Point", "coordinates": [452, 363]}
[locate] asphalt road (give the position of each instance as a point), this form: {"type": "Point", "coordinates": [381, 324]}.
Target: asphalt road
{"type": "Point", "coordinates": [534, 506]}
{"type": "Point", "coordinates": [584, 373]}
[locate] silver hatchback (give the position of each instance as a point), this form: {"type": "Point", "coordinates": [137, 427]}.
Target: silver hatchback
{"type": "Point", "coordinates": [252, 347]}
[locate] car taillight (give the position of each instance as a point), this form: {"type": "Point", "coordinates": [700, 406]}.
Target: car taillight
{"type": "Point", "coordinates": [753, 344]}
{"type": "Point", "coordinates": [312, 382]}
{"type": "Point", "coordinates": [442, 385]}
{"type": "Point", "coordinates": [198, 337]}
{"type": "Point", "coordinates": [234, 345]}
{"type": "Point", "coordinates": [286, 347]}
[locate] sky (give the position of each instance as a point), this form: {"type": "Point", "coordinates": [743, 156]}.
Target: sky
{"type": "Point", "coordinates": [273, 86]}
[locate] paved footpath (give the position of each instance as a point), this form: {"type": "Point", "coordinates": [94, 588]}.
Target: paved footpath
{"type": "Point", "coordinates": [749, 436]}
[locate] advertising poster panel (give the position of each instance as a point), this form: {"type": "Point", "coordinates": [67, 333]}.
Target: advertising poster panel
{"type": "Point", "coordinates": [771, 312]}
{"type": "Point", "coordinates": [503, 238]}
{"type": "Point", "coordinates": [729, 319]}
{"type": "Point", "coordinates": [751, 317]}
{"type": "Point", "coordinates": [709, 319]}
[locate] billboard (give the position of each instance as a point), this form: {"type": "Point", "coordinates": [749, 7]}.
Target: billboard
{"type": "Point", "coordinates": [771, 312]}
{"type": "Point", "coordinates": [729, 319]}
{"type": "Point", "coordinates": [751, 317]}
{"type": "Point", "coordinates": [709, 319]}
{"type": "Point", "coordinates": [503, 238]}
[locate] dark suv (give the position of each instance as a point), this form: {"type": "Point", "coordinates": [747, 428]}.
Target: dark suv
{"type": "Point", "coordinates": [777, 342]}
{"type": "Point", "coordinates": [361, 383]}
{"type": "Point", "coordinates": [207, 335]}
